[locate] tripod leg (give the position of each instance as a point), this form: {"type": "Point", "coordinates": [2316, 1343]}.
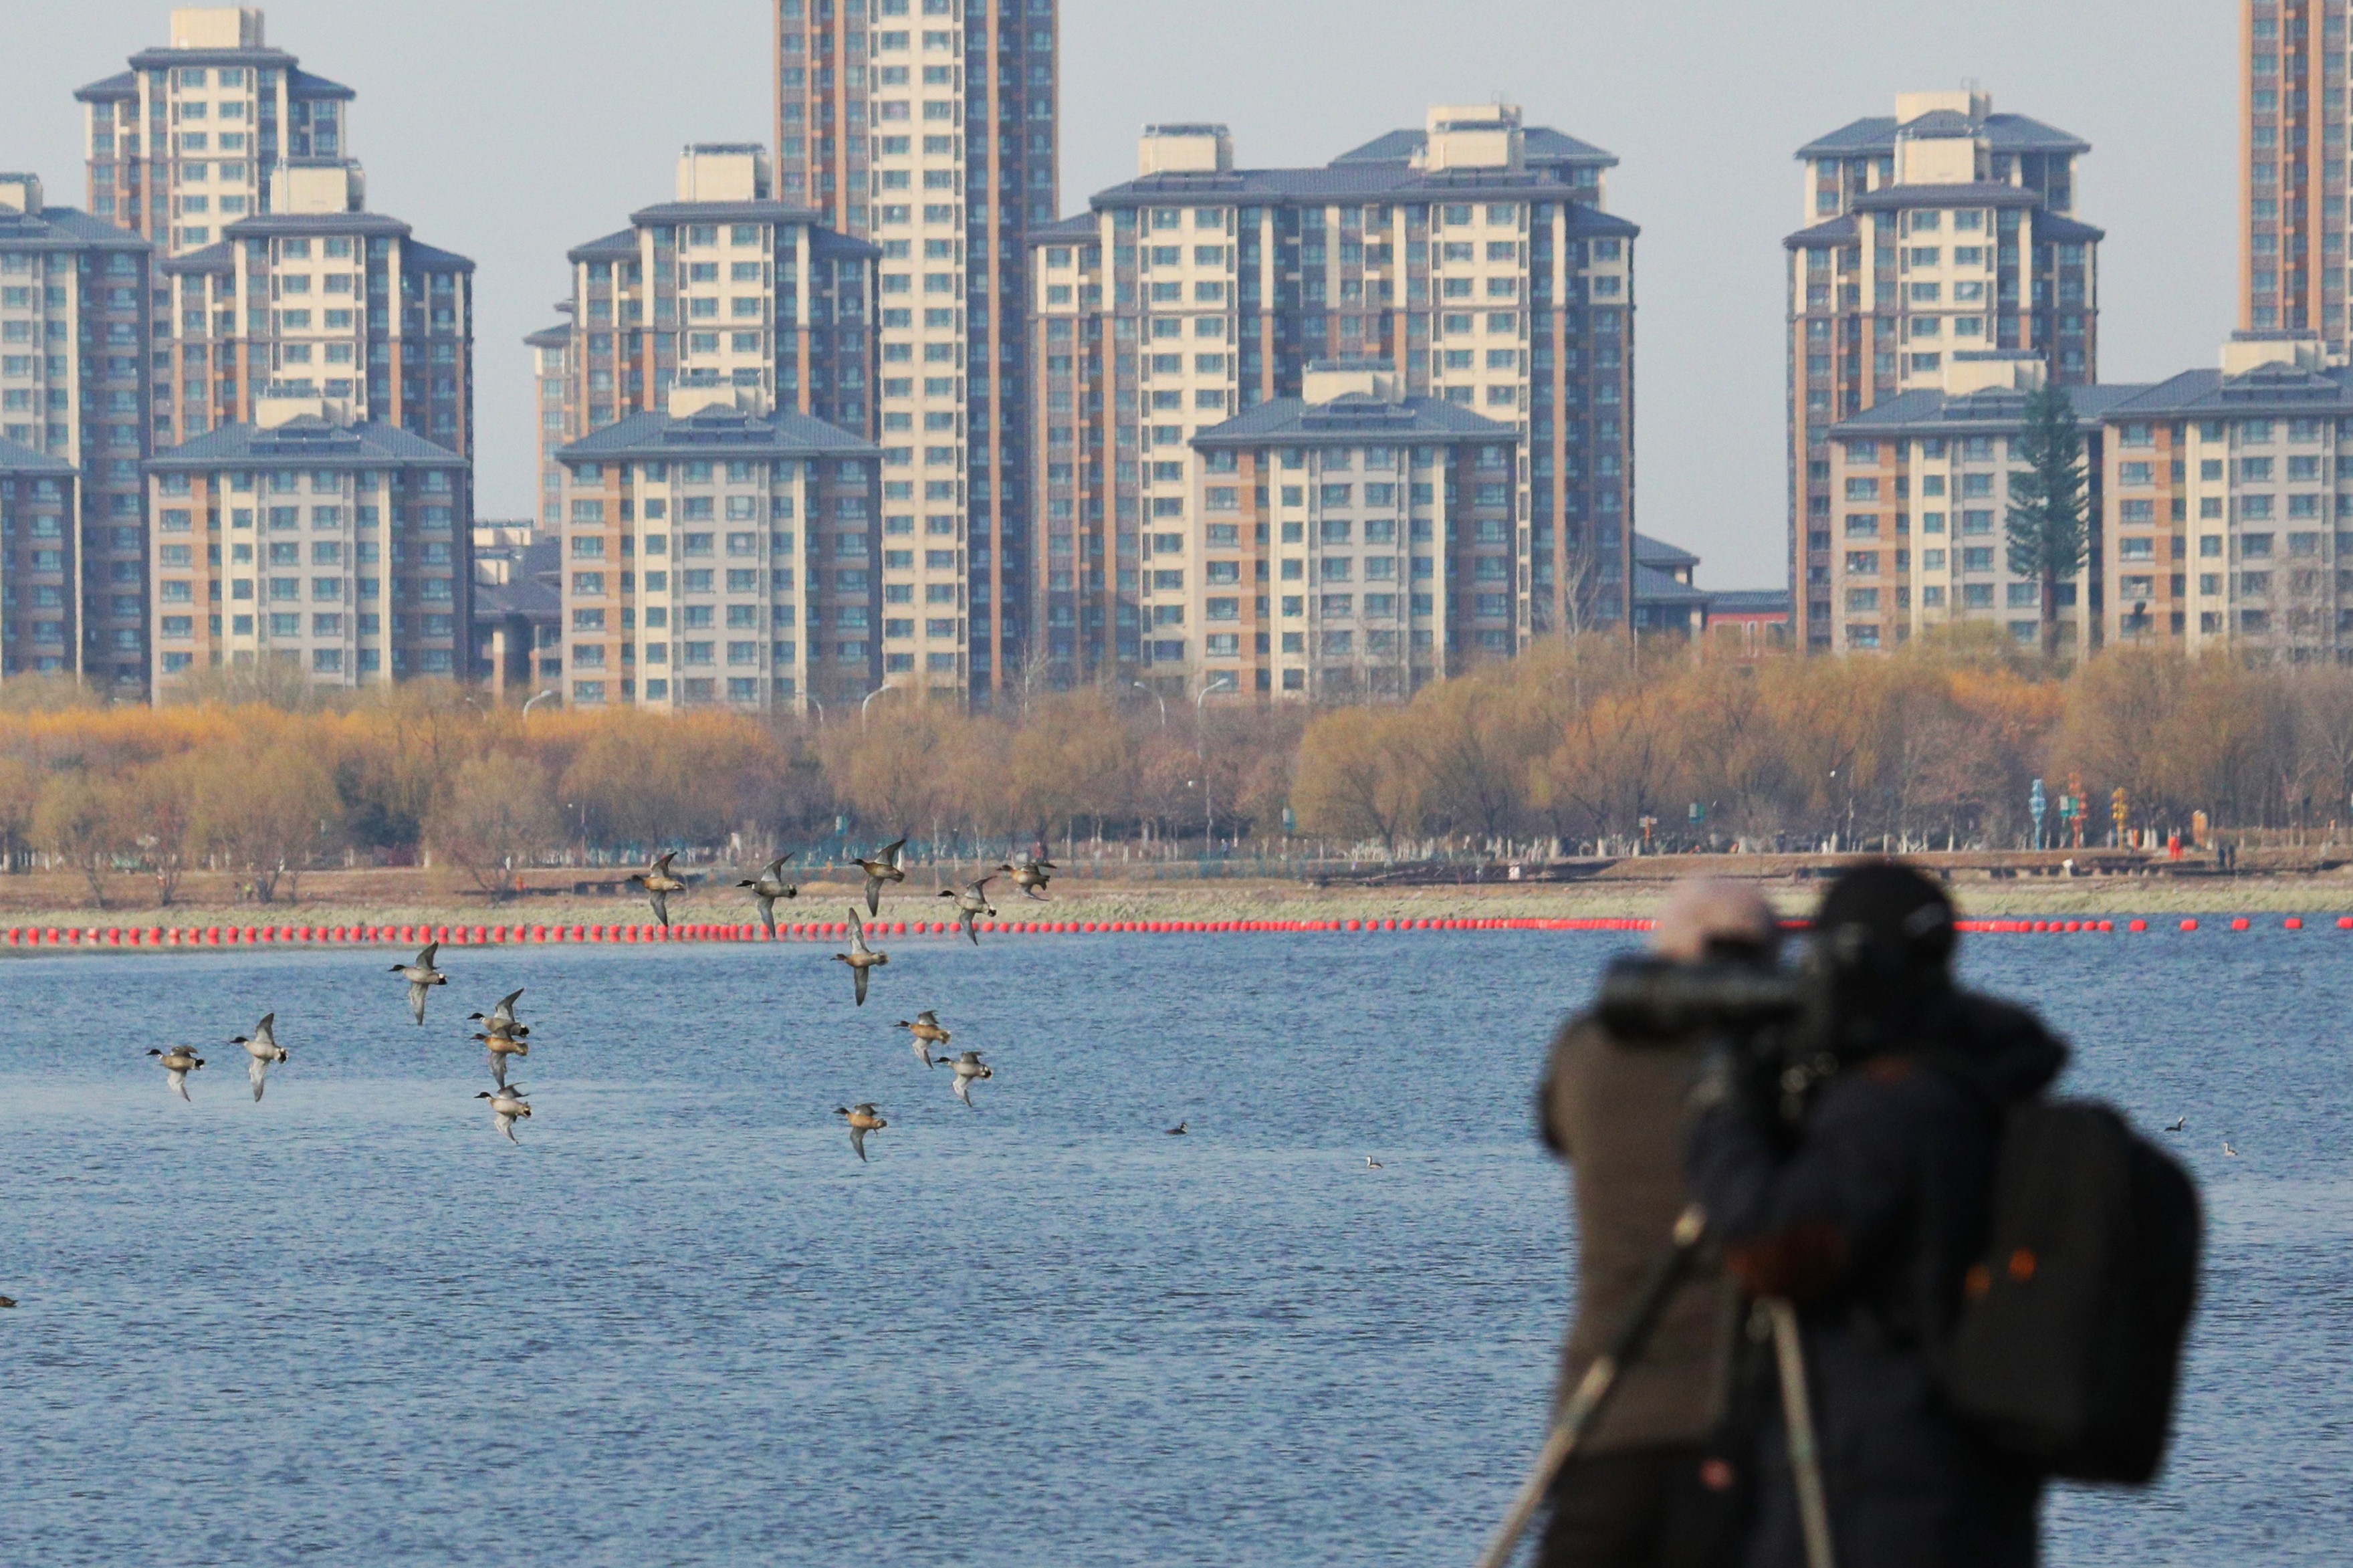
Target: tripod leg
{"type": "Point", "coordinates": [1593, 1390]}
{"type": "Point", "coordinates": [1804, 1455]}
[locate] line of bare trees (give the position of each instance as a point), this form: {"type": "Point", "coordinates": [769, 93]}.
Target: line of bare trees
{"type": "Point", "coordinates": [1580, 740]}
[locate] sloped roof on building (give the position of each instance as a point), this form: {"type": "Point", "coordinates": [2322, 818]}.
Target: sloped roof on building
{"type": "Point", "coordinates": [1652, 586]}
{"type": "Point", "coordinates": [1540, 144]}
{"type": "Point", "coordinates": [718, 431]}
{"type": "Point", "coordinates": [106, 90]}
{"type": "Point", "coordinates": [527, 593]}
{"type": "Point", "coordinates": [306, 440]}
{"type": "Point", "coordinates": [1749, 602]}
{"type": "Point", "coordinates": [2003, 134]}
{"type": "Point", "coordinates": [1928, 411]}
{"type": "Point", "coordinates": [2284, 391]}
{"type": "Point", "coordinates": [725, 211]}
{"type": "Point", "coordinates": [1975, 193]}
{"type": "Point", "coordinates": [619, 246]}
{"type": "Point", "coordinates": [15, 458]}
{"type": "Point", "coordinates": [556, 337]}
{"type": "Point", "coordinates": [1351, 419]}
{"type": "Point", "coordinates": [63, 229]}
{"type": "Point", "coordinates": [217, 257]}
{"type": "Point", "coordinates": [2067, 230]}
{"type": "Point", "coordinates": [1650, 552]}
{"type": "Point", "coordinates": [1073, 230]}
{"type": "Point", "coordinates": [1349, 183]}
{"type": "Point", "coordinates": [1839, 230]}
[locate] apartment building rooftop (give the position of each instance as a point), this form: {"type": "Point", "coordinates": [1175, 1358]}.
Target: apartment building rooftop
{"type": "Point", "coordinates": [307, 439]}
{"type": "Point", "coordinates": [1545, 147]}
{"type": "Point", "coordinates": [716, 428]}
{"type": "Point", "coordinates": [1878, 134]}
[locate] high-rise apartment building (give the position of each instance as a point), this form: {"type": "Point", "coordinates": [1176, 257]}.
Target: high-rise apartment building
{"type": "Point", "coordinates": [929, 126]}
{"type": "Point", "coordinates": [551, 360]}
{"type": "Point", "coordinates": [2292, 169]}
{"type": "Point", "coordinates": [40, 525]}
{"type": "Point", "coordinates": [724, 286]}
{"type": "Point", "coordinates": [1473, 256]}
{"type": "Point", "coordinates": [77, 317]}
{"type": "Point", "coordinates": [2230, 505]}
{"type": "Point", "coordinates": [721, 553]}
{"type": "Point", "coordinates": [1945, 228]}
{"type": "Point", "coordinates": [1922, 484]}
{"type": "Point", "coordinates": [1350, 542]}
{"type": "Point", "coordinates": [319, 298]}
{"type": "Point", "coordinates": [342, 551]}
{"type": "Point", "coordinates": [184, 143]}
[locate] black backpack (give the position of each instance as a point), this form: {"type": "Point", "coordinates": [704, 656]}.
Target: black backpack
{"type": "Point", "coordinates": [2067, 1346]}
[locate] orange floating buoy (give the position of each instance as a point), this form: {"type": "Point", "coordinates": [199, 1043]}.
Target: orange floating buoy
{"type": "Point", "coordinates": [2291, 923]}
{"type": "Point", "coordinates": [2241, 923]}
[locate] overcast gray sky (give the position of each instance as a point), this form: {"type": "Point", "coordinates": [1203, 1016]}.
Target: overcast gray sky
{"type": "Point", "coordinates": [510, 130]}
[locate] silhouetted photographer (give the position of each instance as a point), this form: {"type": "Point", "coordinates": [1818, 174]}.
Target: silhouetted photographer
{"type": "Point", "coordinates": [1949, 1288]}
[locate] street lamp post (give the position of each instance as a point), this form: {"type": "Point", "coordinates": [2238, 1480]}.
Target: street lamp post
{"type": "Point", "coordinates": [869, 701]}
{"type": "Point", "coordinates": [820, 709]}
{"type": "Point", "coordinates": [1156, 696]}
{"type": "Point", "coordinates": [541, 698]}
{"type": "Point", "coordinates": [1201, 751]}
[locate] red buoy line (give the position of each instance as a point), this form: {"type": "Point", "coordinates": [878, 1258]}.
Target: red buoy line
{"type": "Point", "coordinates": [412, 934]}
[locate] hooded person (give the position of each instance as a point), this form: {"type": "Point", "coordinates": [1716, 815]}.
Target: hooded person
{"type": "Point", "coordinates": [1866, 1215]}
{"type": "Point", "coordinates": [1644, 1488]}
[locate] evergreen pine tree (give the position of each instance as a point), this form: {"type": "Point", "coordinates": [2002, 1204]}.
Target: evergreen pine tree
{"type": "Point", "coordinates": [2049, 533]}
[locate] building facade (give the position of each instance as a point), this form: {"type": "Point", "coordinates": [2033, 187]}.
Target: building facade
{"type": "Point", "coordinates": [1472, 256]}
{"type": "Point", "coordinates": [1945, 229]}
{"type": "Point", "coordinates": [40, 527]}
{"type": "Point", "coordinates": [77, 317]}
{"type": "Point", "coordinates": [724, 287]}
{"type": "Point", "coordinates": [185, 143]}
{"type": "Point", "coordinates": [323, 299]}
{"type": "Point", "coordinates": [1923, 480]}
{"type": "Point", "coordinates": [720, 554]}
{"type": "Point", "coordinates": [1336, 546]}
{"type": "Point", "coordinates": [929, 126]}
{"type": "Point", "coordinates": [2230, 505]}
{"type": "Point", "coordinates": [339, 551]}
{"type": "Point", "coordinates": [2291, 168]}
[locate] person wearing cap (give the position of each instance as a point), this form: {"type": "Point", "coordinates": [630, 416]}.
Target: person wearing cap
{"type": "Point", "coordinates": [1866, 1220]}
{"type": "Point", "coordinates": [1644, 1489]}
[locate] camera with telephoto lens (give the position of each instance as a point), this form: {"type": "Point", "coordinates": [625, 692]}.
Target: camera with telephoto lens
{"type": "Point", "coordinates": [1776, 1026]}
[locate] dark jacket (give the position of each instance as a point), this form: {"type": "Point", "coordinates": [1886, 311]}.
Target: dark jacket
{"type": "Point", "coordinates": [1618, 1115]}
{"type": "Point", "coordinates": [1869, 1223]}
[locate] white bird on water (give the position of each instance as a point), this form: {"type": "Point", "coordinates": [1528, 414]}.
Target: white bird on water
{"type": "Point", "coordinates": [1371, 1163]}
{"type": "Point", "coordinates": [2229, 1153]}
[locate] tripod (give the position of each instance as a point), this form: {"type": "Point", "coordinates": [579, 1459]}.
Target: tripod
{"type": "Point", "coordinates": [1600, 1379]}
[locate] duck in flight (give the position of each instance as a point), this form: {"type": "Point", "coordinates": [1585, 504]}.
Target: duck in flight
{"type": "Point", "coordinates": [500, 1019]}
{"type": "Point", "coordinates": [500, 1047]}
{"type": "Point", "coordinates": [971, 904]}
{"type": "Point", "coordinates": [863, 1118]}
{"type": "Point", "coordinates": [970, 1068]}
{"type": "Point", "coordinates": [860, 957]}
{"type": "Point", "coordinates": [262, 1049]}
{"type": "Point", "coordinates": [177, 1064]}
{"type": "Point", "coordinates": [507, 1108]}
{"type": "Point", "coordinates": [767, 888]}
{"type": "Point", "coordinates": [422, 978]}
{"type": "Point", "coordinates": [659, 885]}
{"type": "Point", "coordinates": [924, 1030]}
{"type": "Point", "coordinates": [1032, 876]}
{"type": "Point", "coordinates": [883, 867]}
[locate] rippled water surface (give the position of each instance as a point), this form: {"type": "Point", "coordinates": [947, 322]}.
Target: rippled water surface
{"type": "Point", "coordinates": [681, 1323]}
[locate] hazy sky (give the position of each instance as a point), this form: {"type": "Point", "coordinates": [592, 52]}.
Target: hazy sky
{"type": "Point", "coordinates": [511, 130]}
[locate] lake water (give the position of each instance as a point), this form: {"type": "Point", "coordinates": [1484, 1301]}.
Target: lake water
{"type": "Point", "coordinates": [681, 1323]}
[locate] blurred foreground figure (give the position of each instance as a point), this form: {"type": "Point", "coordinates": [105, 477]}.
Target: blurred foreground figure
{"type": "Point", "coordinates": [1864, 1197]}
{"type": "Point", "coordinates": [1649, 1485]}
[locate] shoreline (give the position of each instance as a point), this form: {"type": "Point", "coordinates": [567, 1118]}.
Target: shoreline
{"type": "Point", "coordinates": [1616, 903]}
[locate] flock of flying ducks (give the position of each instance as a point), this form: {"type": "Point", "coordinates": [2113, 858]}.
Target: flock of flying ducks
{"type": "Point", "coordinates": [504, 1035]}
